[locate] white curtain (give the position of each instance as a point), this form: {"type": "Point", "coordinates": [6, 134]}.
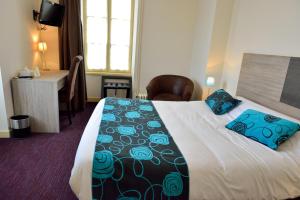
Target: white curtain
{"type": "Point", "coordinates": [136, 55]}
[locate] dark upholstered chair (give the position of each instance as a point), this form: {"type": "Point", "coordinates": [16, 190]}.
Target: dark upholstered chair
{"type": "Point", "coordinates": [170, 88]}
{"type": "Point", "coordinates": [66, 95]}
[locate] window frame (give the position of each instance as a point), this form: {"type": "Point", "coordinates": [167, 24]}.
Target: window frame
{"type": "Point", "coordinates": [108, 70]}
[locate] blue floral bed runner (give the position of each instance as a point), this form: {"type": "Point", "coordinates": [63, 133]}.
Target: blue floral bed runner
{"type": "Point", "coordinates": [135, 156]}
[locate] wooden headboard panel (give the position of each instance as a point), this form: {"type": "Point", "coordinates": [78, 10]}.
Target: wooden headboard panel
{"type": "Point", "coordinates": [263, 79]}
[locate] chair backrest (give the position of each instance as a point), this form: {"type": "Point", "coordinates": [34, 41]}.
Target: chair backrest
{"type": "Point", "coordinates": [173, 84]}
{"type": "Point", "coordinates": [73, 75]}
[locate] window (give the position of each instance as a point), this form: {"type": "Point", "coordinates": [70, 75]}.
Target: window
{"type": "Point", "coordinates": [108, 35]}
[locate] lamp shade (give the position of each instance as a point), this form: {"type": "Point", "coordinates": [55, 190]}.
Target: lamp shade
{"type": "Point", "coordinates": [42, 46]}
{"type": "Point", "coordinates": [210, 81]}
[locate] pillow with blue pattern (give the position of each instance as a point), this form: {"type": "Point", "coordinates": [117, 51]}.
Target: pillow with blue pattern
{"type": "Point", "coordinates": [220, 102]}
{"type": "Point", "coordinates": [264, 128]}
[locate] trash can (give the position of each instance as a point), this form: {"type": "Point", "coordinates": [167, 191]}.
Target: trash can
{"type": "Point", "coordinates": [20, 126]}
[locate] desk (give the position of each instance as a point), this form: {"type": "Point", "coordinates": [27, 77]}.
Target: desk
{"type": "Point", "coordinates": [38, 98]}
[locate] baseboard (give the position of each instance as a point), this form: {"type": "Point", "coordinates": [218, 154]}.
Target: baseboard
{"type": "Point", "coordinates": [93, 99]}
{"type": "Point", "coordinates": [4, 134]}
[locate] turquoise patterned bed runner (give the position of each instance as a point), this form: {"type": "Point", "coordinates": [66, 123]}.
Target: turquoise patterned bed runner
{"type": "Point", "coordinates": [135, 156]}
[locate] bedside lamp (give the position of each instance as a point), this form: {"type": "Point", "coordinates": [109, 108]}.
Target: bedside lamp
{"type": "Point", "coordinates": [210, 82]}
{"type": "Point", "coordinates": [42, 46]}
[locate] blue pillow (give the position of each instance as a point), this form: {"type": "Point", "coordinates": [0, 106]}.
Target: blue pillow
{"type": "Point", "coordinates": [264, 128]}
{"type": "Point", "coordinates": [220, 102]}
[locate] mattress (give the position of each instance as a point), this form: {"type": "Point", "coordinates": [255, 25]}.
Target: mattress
{"type": "Point", "coordinates": [222, 164]}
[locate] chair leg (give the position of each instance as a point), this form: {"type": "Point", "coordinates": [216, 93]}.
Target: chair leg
{"type": "Point", "coordinates": [69, 113]}
{"type": "Point", "coordinates": [73, 108]}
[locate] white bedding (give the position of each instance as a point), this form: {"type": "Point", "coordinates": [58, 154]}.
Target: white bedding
{"type": "Point", "coordinates": [222, 164]}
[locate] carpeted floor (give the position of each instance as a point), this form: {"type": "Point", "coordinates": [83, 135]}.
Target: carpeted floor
{"type": "Point", "coordinates": [39, 167]}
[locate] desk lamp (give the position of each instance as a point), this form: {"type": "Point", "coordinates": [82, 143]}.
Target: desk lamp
{"type": "Point", "coordinates": [42, 46]}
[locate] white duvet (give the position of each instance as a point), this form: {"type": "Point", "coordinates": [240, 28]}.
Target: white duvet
{"type": "Point", "coordinates": [222, 164]}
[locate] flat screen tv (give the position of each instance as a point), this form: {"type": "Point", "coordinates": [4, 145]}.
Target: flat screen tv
{"type": "Point", "coordinates": [51, 14]}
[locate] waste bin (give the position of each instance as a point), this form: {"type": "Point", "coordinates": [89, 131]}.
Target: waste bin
{"type": "Point", "coordinates": [20, 126]}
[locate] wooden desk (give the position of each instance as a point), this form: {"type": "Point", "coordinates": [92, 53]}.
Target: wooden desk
{"type": "Point", "coordinates": [38, 98]}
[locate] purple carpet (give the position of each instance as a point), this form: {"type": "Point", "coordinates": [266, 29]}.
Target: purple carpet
{"type": "Point", "coordinates": [39, 167]}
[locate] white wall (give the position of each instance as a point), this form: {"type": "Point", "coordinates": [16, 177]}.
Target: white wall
{"type": "Point", "coordinates": [18, 42]}
{"type": "Point", "coordinates": [201, 43]}
{"type": "Point", "coordinates": [268, 27]}
{"type": "Point", "coordinates": [167, 37]}
{"type": "Point", "coordinates": [3, 117]}
{"type": "Point", "coordinates": [219, 40]}
{"type": "Point", "coordinates": [93, 84]}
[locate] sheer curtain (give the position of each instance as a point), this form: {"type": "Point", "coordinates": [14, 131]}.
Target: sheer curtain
{"type": "Point", "coordinates": [136, 51]}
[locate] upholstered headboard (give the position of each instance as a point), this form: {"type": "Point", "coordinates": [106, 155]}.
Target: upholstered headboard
{"type": "Point", "coordinates": [272, 81]}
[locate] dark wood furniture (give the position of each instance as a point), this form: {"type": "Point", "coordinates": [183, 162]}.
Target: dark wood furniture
{"type": "Point", "coordinates": [66, 95]}
{"type": "Point", "coordinates": [170, 88]}
{"type": "Point", "coordinates": [116, 83]}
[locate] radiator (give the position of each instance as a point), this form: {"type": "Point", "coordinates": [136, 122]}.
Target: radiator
{"type": "Point", "coordinates": [141, 96]}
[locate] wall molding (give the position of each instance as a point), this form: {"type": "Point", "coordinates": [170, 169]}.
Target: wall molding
{"type": "Point", "coordinates": [93, 99]}
{"type": "Point", "coordinates": [5, 134]}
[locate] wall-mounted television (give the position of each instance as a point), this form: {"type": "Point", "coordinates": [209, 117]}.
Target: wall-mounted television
{"type": "Point", "coordinates": [51, 14]}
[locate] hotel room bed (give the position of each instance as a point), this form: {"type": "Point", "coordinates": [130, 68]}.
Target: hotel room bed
{"type": "Point", "coordinates": [222, 164]}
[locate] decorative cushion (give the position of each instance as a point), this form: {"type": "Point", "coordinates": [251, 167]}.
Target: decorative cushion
{"type": "Point", "coordinates": [221, 102]}
{"type": "Point", "coordinates": [264, 128]}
